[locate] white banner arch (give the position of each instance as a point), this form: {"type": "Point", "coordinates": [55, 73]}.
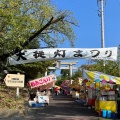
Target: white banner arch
{"type": "Point", "coordinates": [35, 55]}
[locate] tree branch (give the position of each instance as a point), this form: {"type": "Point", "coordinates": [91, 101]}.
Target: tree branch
{"type": "Point", "coordinates": [51, 21]}
{"type": "Point", "coordinates": [37, 33]}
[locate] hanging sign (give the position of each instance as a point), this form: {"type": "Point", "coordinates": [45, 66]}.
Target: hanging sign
{"type": "Point", "coordinates": [41, 81]}
{"type": "Point", "coordinates": [14, 80]}
{"type": "Point", "coordinates": [35, 55]}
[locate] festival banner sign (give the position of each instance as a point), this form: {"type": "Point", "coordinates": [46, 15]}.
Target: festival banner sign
{"type": "Point", "coordinates": [42, 81]}
{"type": "Point", "coordinates": [96, 76]}
{"type": "Point", "coordinates": [35, 55]}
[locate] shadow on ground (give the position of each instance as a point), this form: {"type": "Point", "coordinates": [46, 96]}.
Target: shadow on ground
{"type": "Point", "coordinates": [64, 108]}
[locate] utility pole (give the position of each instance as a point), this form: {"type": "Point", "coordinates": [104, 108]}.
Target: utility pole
{"type": "Point", "coordinates": [102, 26]}
{"type": "Point", "coordinates": [119, 59]}
{"type": "Point", "coordinates": [102, 23]}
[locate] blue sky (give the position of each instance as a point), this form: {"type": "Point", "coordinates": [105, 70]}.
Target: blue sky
{"type": "Point", "coordinates": [89, 33]}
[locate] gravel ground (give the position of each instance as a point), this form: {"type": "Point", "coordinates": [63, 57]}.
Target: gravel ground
{"type": "Point", "coordinates": [61, 107]}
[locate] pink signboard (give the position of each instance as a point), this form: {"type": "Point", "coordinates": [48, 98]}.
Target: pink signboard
{"type": "Point", "coordinates": [41, 81]}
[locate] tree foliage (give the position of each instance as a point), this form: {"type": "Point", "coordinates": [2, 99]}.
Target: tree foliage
{"type": "Point", "coordinates": [25, 21]}
{"type": "Point", "coordinates": [59, 80]}
{"type": "Point", "coordinates": [108, 67]}
{"type": "Point", "coordinates": [64, 75]}
{"type": "Point", "coordinates": [77, 74]}
{"type": "Point", "coordinates": [22, 21]}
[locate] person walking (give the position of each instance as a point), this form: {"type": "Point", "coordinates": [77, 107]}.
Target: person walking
{"type": "Point", "coordinates": [56, 91]}
{"type": "Point", "coordinates": [60, 90]}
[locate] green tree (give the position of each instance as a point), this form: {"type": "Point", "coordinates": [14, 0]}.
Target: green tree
{"type": "Point", "coordinates": [65, 74]}
{"type": "Point", "coordinates": [77, 74]}
{"type": "Point", "coordinates": [108, 67]}
{"type": "Point", "coordinates": [22, 22]}
{"type": "Point", "coordinates": [59, 80]}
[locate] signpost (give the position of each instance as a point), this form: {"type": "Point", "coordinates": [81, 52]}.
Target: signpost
{"type": "Point", "coordinates": [14, 80]}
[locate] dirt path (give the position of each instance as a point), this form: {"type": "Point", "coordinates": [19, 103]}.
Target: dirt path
{"type": "Point", "coordinates": [61, 107]}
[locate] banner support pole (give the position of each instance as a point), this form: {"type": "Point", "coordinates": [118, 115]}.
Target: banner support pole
{"type": "Point", "coordinates": [17, 89]}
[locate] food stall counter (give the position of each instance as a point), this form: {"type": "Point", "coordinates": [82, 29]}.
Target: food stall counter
{"type": "Point", "coordinates": [106, 102]}
{"type": "Point", "coordinates": [105, 105]}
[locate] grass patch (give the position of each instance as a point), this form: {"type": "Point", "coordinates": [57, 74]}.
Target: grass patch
{"type": "Point", "coordinates": [9, 100]}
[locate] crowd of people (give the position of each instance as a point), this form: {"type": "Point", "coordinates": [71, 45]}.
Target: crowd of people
{"type": "Point", "coordinates": [54, 90]}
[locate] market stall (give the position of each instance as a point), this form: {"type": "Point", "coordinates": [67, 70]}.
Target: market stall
{"type": "Point", "coordinates": [104, 90]}
{"type": "Point", "coordinates": [89, 92]}
{"type": "Point", "coordinates": [39, 88]}
{"type": "Point", "coordinates": [76, 85]}
{"type": "Point", "coordinates": [65, 87]}
{"type": "Point", "coordinates": [106, 100]}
